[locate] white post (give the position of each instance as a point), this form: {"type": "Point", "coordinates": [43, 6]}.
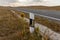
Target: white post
{"type": "Point", "coordinates": [31, 22]}
{"type": "Point", "coordinates": [31, 16]}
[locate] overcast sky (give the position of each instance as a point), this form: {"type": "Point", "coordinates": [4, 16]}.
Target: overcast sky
{"type": "Point", "coordinates": [30, 2]}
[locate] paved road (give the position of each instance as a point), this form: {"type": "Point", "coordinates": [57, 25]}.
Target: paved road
{"type": "Point", "coordinates": [55, 15]}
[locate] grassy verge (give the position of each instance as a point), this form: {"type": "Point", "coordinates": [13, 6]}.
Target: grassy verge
{"type": "Point", "coordinates": [50, 24]}
{"type": "Point", "coordinates": [13, 28]}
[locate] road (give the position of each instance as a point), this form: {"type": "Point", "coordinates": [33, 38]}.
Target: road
{"type": "Point", "coordinates": [55, 15]}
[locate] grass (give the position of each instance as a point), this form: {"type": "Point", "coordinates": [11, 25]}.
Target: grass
{"type": "Point", "coordinates": [50, 24]}
{"type": "Point", "coordinates": [13, 28]}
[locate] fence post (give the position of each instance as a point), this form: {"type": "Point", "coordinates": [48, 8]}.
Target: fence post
{"type": "Point", "coordinates": [31, 23]}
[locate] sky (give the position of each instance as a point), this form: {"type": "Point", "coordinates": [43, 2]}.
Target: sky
{"type": "Point", "coordinates": [29, 2]}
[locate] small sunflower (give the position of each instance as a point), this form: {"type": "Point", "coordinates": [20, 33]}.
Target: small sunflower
{"type": "Point", "coordinates": [22, 15]}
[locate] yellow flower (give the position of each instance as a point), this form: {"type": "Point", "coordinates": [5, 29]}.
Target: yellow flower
{"type": "Point", "coordinates": [22, 15]}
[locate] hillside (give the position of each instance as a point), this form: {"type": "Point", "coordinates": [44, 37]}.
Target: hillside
{"type": "Point", "coordinates": [43, 7]}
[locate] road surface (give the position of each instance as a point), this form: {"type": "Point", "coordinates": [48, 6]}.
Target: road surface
{"type": "Point", "coordinates": [55, 15]}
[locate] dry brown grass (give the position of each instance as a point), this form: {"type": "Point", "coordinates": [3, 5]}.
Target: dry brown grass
{"type": "Point", "coordinates": [13, 28]}
{"type": "Point", "coordinates": [50, 24]}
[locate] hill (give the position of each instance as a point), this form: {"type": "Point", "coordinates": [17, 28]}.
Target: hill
{"type": "Point", "coordinates": [43, 7]}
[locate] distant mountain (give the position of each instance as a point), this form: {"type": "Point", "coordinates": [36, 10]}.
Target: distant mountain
{"type": "Point", "coordinates": [57, 8]}
{"type": "Point", "coordinates": [43, 7]}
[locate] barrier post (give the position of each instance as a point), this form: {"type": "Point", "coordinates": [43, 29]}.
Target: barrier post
{"type": "Point", "coordinates": [31, 23]}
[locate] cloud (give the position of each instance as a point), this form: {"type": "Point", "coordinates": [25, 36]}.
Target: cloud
{"type": "Point", "coordinates": [15, 3]}
{"type": "Point", "coordinates": [6, 2]}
